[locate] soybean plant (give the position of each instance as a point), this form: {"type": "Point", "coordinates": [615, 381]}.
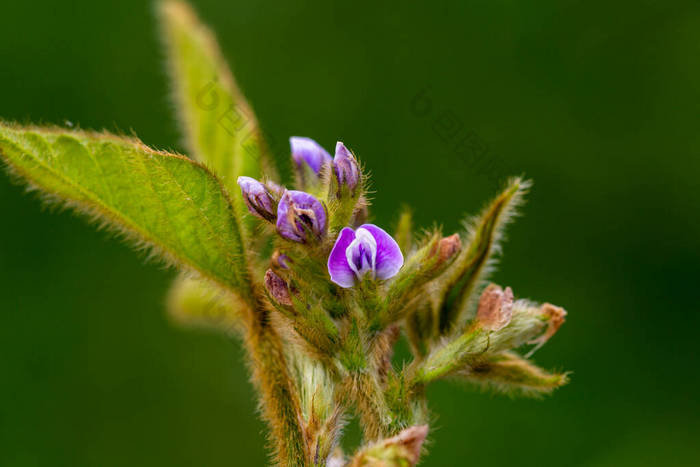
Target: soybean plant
{"type": "Point", "coordinates": [318, 295]}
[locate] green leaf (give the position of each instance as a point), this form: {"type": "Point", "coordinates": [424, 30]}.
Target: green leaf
{"type": "Point", "coordinates": [219, 126]}
{"type": "Point", "coordinates": [471, 267]}
{"type": "Point", "coordinates": [160, 200]}
{"type": "Point", "coordinates": [512, 374]}
{"type": "Point", "coordinates": [193, 302]}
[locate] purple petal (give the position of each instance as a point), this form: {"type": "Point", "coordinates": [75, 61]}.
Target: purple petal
{"type": "Point", "coordinates": [338, 266]}
{"type": "Point", "coordinates": [299, 212]}
{"type": "Point", "coordinates": [306, 150]}
{"type": "Point", "coordinates": [362, 253]}
{"type": "Point", "coordinates": [341, 151]}
{"type": "Point", "coordinates": [389, 257]}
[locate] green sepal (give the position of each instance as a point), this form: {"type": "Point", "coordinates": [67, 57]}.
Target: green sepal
{"type": "Point", "coordinates": [511, 374]}
{"type": "Point", "coordinates": [403, 233]}
{"type": "Point", "coordinates": [406, 288]}
{"type": "Point", "coordinates": [402, 450]}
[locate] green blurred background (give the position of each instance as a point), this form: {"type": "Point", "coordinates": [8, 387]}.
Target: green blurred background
{"type": "Point", "coordinates": [598, 102]}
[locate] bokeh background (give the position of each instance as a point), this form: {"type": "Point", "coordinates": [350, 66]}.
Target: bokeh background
{"type": "Point", "coordinates": [597, 101]}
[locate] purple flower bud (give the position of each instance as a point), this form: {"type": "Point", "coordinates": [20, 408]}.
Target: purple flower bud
{"type": "Point", "coordinates": [275, 190]}
{"type": "Point", "coordinates": [345, 165]}
{"type": "Point", "coordinates": [257, 198]}
{"type": "Point", "coordinates": [308, 151]}
{"type": "Point", "coordinates": [367, 250]}
{"type": "Point", "coordinates": [300, 217]}
{"type": "Point", "coordinates": [280, 259]}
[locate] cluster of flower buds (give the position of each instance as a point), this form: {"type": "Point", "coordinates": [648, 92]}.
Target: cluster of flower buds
{"type": "Point", "coordinates": [301, 217]}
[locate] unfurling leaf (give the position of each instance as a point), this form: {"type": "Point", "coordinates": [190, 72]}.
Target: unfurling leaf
{"type": "Point", "coordinates": [484, 234]}
{"type": "Point", "coordinates": [193, 302]}
{"type": "Point", "coordinates": [161, 200]}
{"type": "Point", "coordinates": [219, 125]}
{"type": "Point", "coordinates": [512, 374]}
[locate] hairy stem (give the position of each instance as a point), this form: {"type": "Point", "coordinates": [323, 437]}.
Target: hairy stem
{"type": "Point", "coordinates": [278, 398]}
{"type": "Point", "coordinates": [365, 391]}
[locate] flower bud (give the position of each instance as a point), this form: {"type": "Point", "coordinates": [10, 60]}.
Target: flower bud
{"type": "Point", "coordinates": [257, 198]}
{"type": "Point", "coordinates": [555, 317]}
{"type": "Point", "coordinates": [449, 248]}
{"type": "Point", "coordinates": [443, 252]}
{"type": "Point", "coordinates": [495, 308]}
{"type": "Point", "coordinates": [300, 217]}
{"type": "Point", "coordinates": [400, 450]}
{"type": "Point", "coordinates": [345, 167]}
{"type": "Point", "coordinates": [275, 190]}
{"type": "Point", "coordinates": [280, 260]}
{"type": "Point", "coordinates": [278, 288]}
{"type": "Point", "coordinates": [306, 151]}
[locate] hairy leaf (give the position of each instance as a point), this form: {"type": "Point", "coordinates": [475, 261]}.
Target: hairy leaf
{"type": "Point", "coordinates": [160, 200]}
{"type": "Point", "coordinates": [219, 125]}
{"type": "Point", "coordinates": [193, 302]}
{"type": "Point", "coordinates": [471, 267]}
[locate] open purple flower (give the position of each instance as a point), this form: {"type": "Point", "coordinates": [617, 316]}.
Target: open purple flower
{"type": "Point", "coordinates": [346, 170]}
{"type": "Point", "coordinates": [367, 250]}
{"type": "Point", "coordinates": [308, 151]}
{"type": "Point", "coordinates": [300, 217]}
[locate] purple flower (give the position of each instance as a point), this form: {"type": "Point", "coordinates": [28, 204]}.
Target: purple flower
{"type": "Point", "coordinates": [257, 198]}
{"type": "Point", "coordinates": [346, 170]}
{"type": "Point", "coordinates": [367, 250]}
{"type": "Point", "coordinates": [299, 215]}
{"type": "Point", "coordinates": [308, 151]}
